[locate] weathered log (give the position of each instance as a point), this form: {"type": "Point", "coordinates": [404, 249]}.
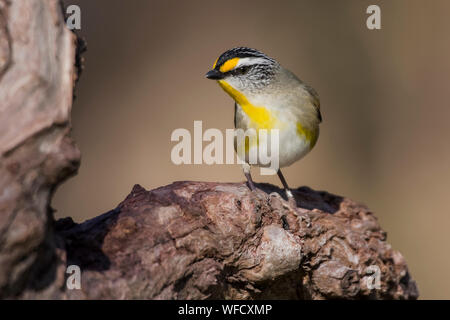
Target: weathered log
{"type": "Point", "coordinates": [197, 240]}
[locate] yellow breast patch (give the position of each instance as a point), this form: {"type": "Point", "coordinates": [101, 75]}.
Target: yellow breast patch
{"type": "Point", "coordinates": [260, 117]}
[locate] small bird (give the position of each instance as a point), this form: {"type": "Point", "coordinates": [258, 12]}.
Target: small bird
{"type": "Point", "coordinates": [268, 96]}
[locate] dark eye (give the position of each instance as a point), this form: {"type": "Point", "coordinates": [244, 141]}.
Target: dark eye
{"type": "Point", "coordinates": [241, 70]}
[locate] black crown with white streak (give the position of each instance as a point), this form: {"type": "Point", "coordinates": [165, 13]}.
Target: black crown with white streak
{"type": "Point", "coordinates": [241, 52]}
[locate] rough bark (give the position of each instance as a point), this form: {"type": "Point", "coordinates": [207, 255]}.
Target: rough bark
{"type": "Point", "coordinates": [36, 85]}
{"type": "Point", "coordinates": [188, 240]}
{"type": "Point", "coordinates": [197, 240]}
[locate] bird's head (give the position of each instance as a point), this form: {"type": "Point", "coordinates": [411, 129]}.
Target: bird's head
{"type": "Point", "coordinates": [245, 70]}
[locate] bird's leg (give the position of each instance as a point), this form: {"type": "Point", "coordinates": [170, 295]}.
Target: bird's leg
{"type": "Point", "coordinates": [246, 168]}
{"type": "Point", "coordinates": [291, 200]}
{"type": "Point", "coordinates": [289, 194]}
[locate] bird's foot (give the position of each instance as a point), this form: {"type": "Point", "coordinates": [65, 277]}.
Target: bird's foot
{"type": "Point", "coordinates": [250, 183]}
{"type": "Point", "coordinates": [290, 199]}
{"type": "Point", "coordinates": [251, 186]}
{"type": "Point", "coordinates": [299, 211]}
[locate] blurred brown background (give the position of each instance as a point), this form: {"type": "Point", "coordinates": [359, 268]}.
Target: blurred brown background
{"type": "Point", "coordinates": [384, 94]}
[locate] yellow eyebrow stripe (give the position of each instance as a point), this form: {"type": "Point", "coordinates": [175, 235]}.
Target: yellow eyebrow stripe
{"type": "Point", "coordinates": [229, 65]}
{"type": "Point", "coordinates": [215, 62]}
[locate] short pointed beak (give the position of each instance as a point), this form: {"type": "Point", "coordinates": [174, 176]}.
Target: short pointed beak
{"type": "Point", "coordinates": [215, 75]}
